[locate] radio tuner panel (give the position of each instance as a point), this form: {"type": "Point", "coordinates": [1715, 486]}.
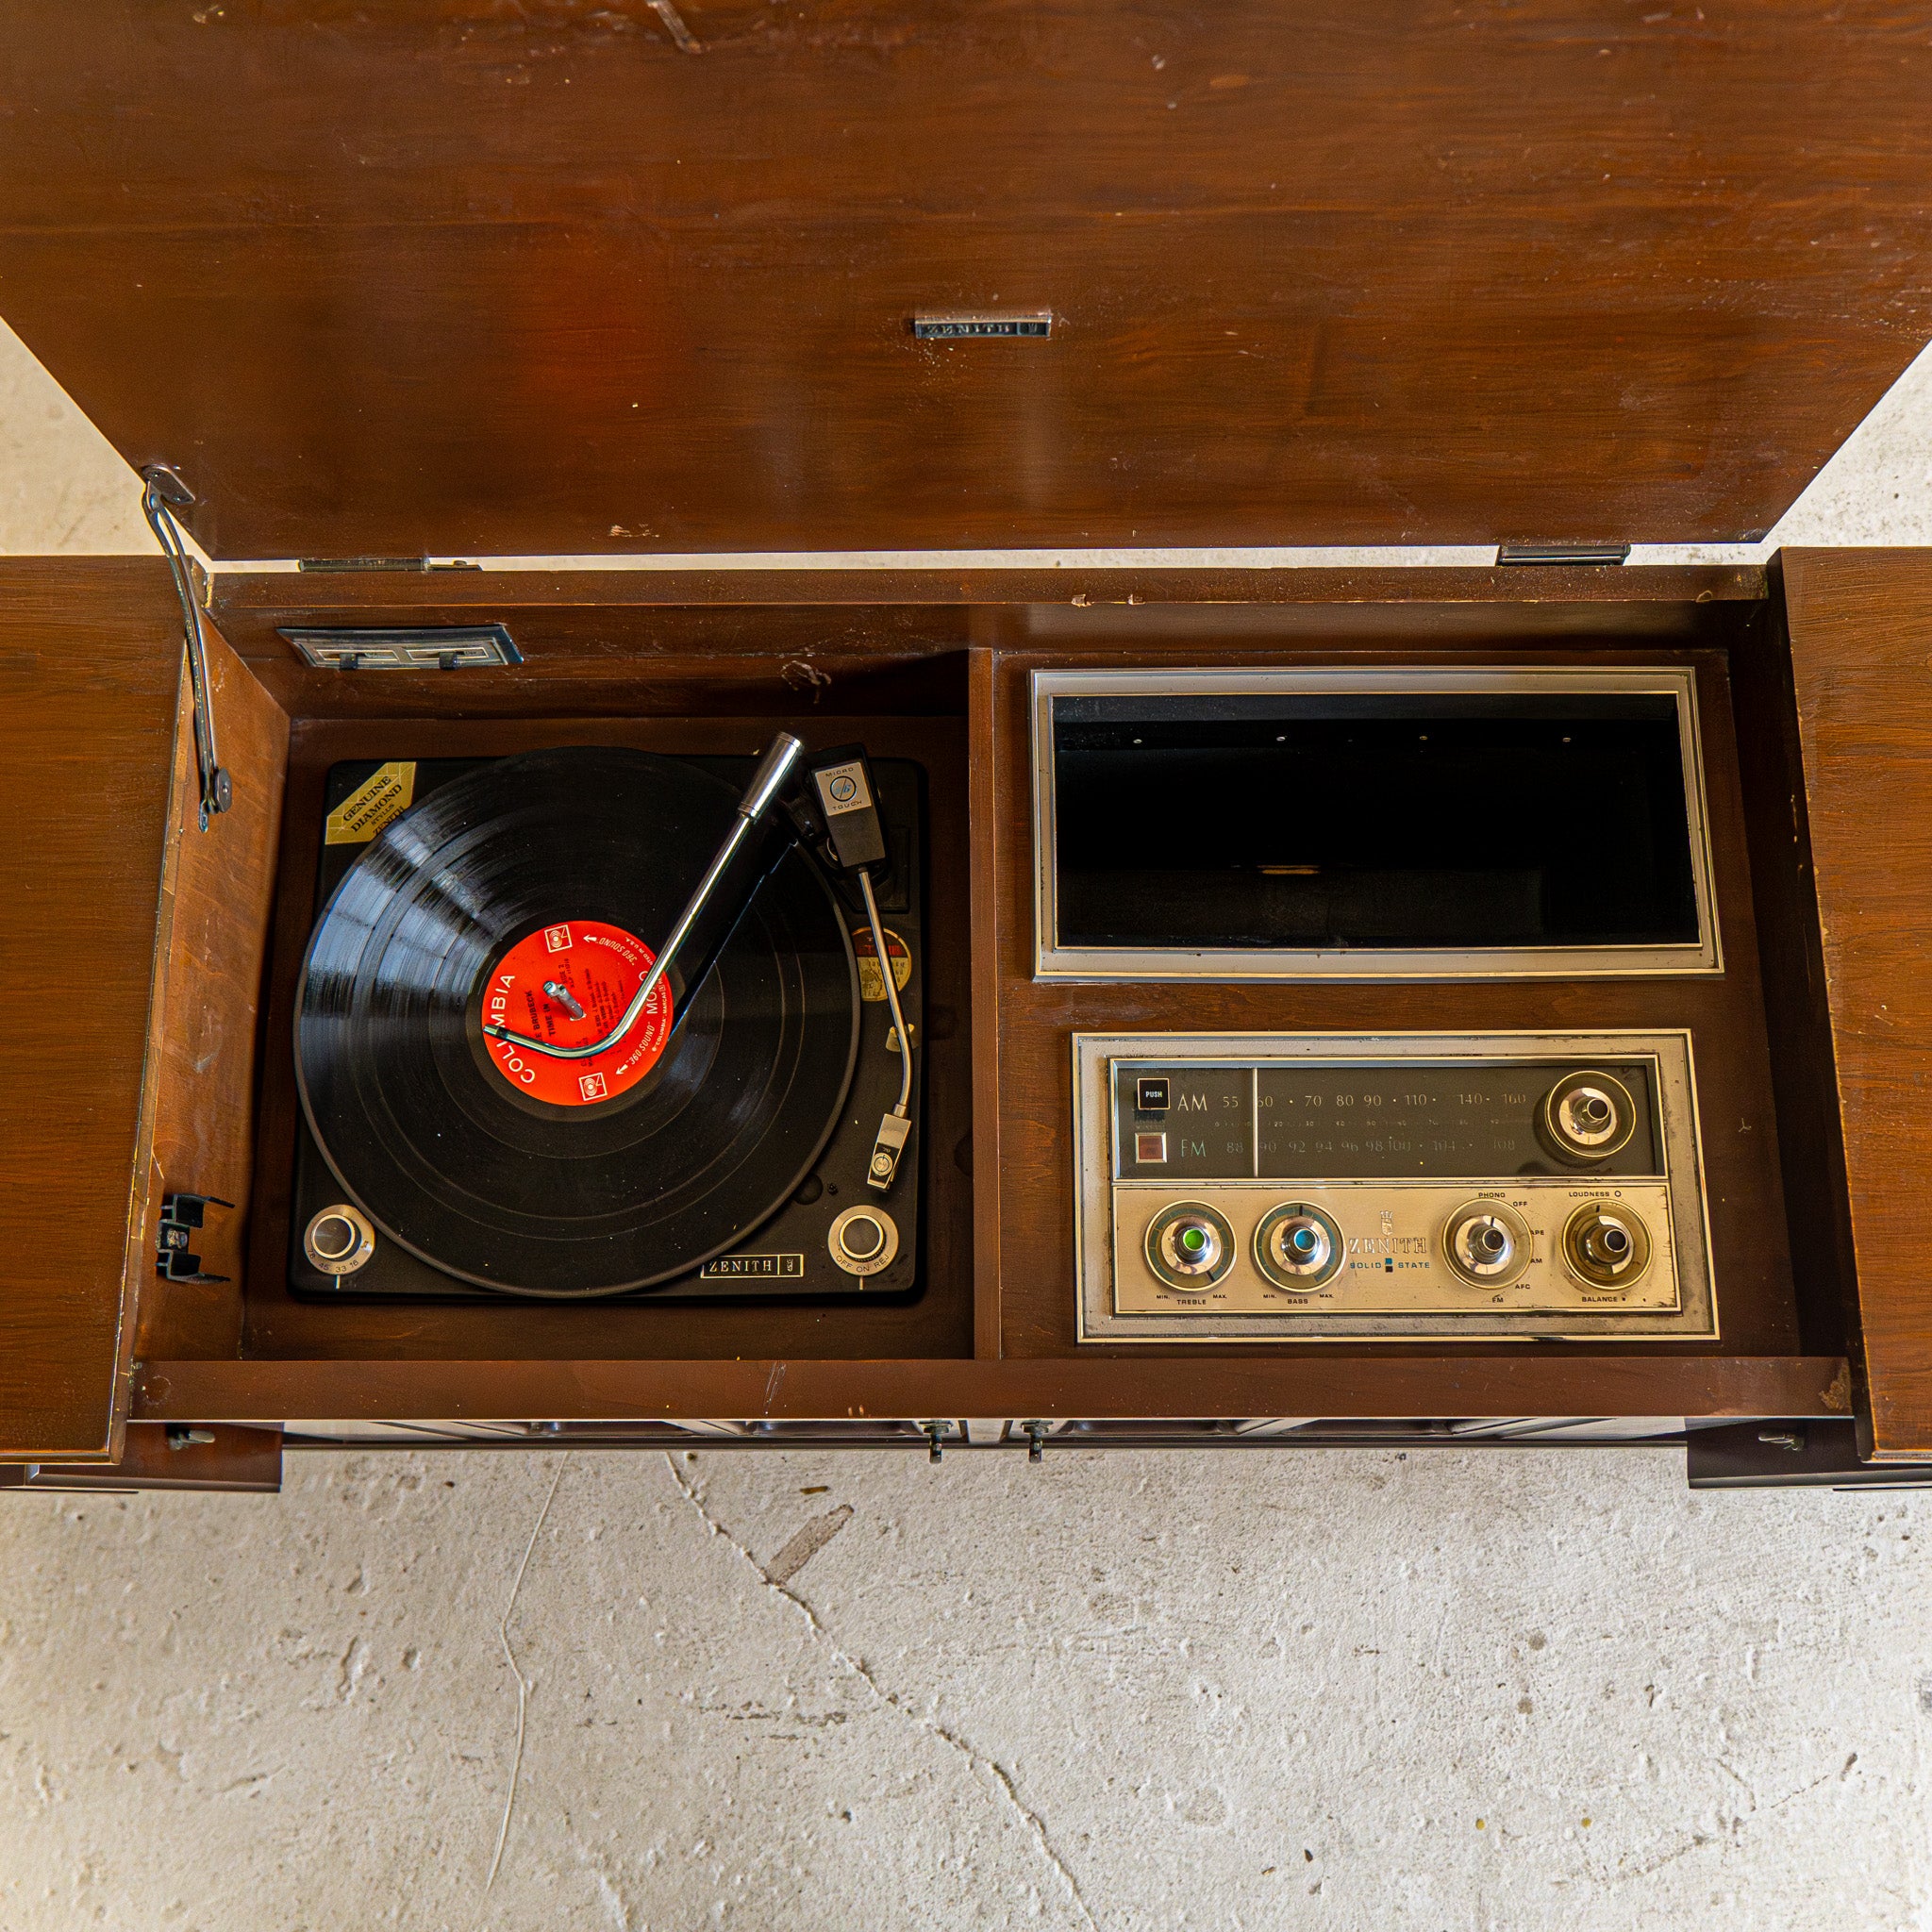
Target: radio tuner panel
{"type": "Point", "coordinates": [1319, 1187]}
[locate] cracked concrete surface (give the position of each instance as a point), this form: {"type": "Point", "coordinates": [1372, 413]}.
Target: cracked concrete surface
{"type": "Point", "coordinates": [776, 1576]}
{"type": "Point", "coordinates": [1460, 1688]}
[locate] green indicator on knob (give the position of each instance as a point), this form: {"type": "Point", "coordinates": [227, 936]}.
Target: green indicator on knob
{"type": "Point", "coordinates": [1190, 1245]}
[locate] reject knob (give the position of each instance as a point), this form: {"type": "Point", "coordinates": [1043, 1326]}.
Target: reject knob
{"type": "Point", "coordinates": [1190, 1245]}
{"type": "Point", "coordinates": [1587, 1117]}
{"type": "Point", "coordinates": [1606, 1244]}
{"type": "Point", "coordinates": [1298, 1247]}
{"type": "Point", "coordinates": [862, 1240]}
{"type": "Point", "coordinates": [1486, 1243]}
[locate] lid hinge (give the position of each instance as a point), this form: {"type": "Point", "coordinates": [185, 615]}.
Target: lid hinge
{"type": "Point", "coordinates": [162, 492]}
{"type": "Point", "coordinates": [181, 1214]}
{"type": "Point", "coordinates": [1577, 556]}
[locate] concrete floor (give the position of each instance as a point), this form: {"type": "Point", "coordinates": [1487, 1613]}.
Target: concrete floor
{"type": "Point", "coordinates": [1456, 1688]}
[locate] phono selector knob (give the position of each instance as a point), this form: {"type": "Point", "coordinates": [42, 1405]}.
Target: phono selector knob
{"type": "Point", "coordinates": [1189, 1246]}
{"type": "Point", "coordinates": [1298, 1247]}
{"type": "Point", "coordinates": [1587, 1117]}
{"type": "Point", "coordinates": [1606, 1244]}
{"type": "Point", "coordinates": [1486, 1243]}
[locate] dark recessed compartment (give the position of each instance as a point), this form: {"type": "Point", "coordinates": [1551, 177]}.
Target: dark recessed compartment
{"type": "Point", "coordinates": [1483, 821]}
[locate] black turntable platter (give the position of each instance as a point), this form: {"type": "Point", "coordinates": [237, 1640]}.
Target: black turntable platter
{"type": "Point", "coordinates": [546, 878]}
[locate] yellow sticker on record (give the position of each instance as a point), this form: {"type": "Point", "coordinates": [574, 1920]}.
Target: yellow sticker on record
{"type": "Point", "coordinates": [384, 795]}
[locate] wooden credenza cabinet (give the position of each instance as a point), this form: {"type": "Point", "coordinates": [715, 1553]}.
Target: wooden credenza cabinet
{"type": "Point", "coordinates": [186, 942]}
{"type": "Point", "coordinates": [547, 316]}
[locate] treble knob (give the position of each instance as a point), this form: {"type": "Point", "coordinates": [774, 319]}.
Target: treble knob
{"type": "Point", "coordinates": [1189, 1246]}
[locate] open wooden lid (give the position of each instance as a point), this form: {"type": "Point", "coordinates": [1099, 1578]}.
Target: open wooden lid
{"type": "Point", "coordinates": [515, 276]}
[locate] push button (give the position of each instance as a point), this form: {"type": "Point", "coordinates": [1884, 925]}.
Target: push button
{"type": "Point", "coordinates": [1150, 1150]}
{"type": "Point", "coordinates": [1150, 1096]}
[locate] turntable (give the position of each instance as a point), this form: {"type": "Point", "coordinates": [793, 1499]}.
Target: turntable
{"type": "Point", "coordinates": [507, 1089]}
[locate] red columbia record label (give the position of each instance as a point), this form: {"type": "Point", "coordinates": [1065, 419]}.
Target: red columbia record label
{"type": "Point", "coordinates": [570, 985]}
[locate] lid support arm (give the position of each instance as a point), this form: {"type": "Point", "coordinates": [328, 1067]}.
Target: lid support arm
{"type": "Point", "coordinates": [162, 489]}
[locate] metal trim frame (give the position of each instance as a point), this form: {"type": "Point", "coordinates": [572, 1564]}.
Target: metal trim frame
{"type": "Point", "coordinates": [1095, 1320]}
{"type": "Point", "coordinates": [1052, 960]}
{"type": "Point", "coordinates": [403, 647]}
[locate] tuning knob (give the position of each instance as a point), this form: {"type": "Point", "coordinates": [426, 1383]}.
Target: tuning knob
{"type": "Point", "coordinates": [1587, 1117]}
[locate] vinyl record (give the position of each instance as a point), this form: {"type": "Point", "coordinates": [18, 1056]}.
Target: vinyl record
{"type": "Point", "coordinates": [539, 883]}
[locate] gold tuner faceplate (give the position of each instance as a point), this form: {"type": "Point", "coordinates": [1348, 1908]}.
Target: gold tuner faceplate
{"type": "Point", "coordinates": [1587, 1117]}
{"type": "Point", "coordinates": [1189, 1246]}
{"type": "Point", "coordinates": [1607, 1246]}
{"type": "Point", "coordinates": [1486, 1243]}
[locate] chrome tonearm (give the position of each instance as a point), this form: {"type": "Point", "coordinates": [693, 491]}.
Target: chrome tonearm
{"type": "Point", "coordinates": [773, 771]}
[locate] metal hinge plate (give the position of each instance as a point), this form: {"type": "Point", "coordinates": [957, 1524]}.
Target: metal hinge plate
{"type": "Point", "coordinates": [1577, 554]}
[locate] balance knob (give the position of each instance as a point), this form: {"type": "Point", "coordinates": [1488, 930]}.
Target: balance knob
{"type": "Point", "coordinates": [1606, 1244]}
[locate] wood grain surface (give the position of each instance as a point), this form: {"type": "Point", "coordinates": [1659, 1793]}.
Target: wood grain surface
{"type": "Point", "coordinates": [458, 277]}
{"type": "Point", "coordinates": [853, 603]}
{"type": "Point", "coordinates": [90, 662]}
{"type": "Point", "coordinates": [231, 1460]}
{"type": "Point", "coordinates": [1384, 1386]}
{"type": "Point", "coordinates": [983, 805]}
{"type": "Point", "coordinates": [215, 911]}
{"type": "Point", "coordinates": [758, 640]}
{"type": "Point", "coordinates": [1861, 660]}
